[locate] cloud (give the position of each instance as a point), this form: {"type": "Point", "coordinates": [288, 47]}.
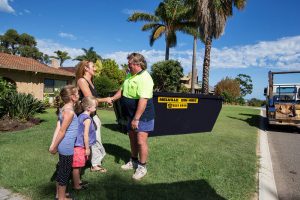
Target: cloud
{"type": "Point", "coordinates": [5, 7]}
{"type": "Point", "coordinates": [67, 35]}
{"type": "Point", "coordinates": [48, 47]}
{"type": "Point", "coordinates": [283, 54]}
{"type": "Point", "coordinates": [27, 11]}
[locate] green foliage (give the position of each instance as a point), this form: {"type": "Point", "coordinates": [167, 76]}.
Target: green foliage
{"type": "Point", "coordinates": [46, 100]}
{"type": "Point", "coordinates": [246, 85]}
{"type": "Point", "coordinates": [89, 54]}
{"type": "Point", "coordinates": [166, 76]}
{"type": "Point", "coordinates": [169, 17]}
{"type": "Point", "coordinates": [256, 102]}
{"type": "Point", "coordinates": [229, 89]}
{"type": "Point", "coordinates": [111, 70]}
{"type": "Point", "coordinates": [105, 85]}
{"type": "Point", "coordinates": [62, 56]}
{"type": "Point", "coordinates": [6, 89]}
{"type": "Point", "coordinates": [23, 106]}
{"type": "Point", "coordinates": [23, 45]}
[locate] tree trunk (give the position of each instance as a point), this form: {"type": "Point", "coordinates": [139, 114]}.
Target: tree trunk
{"type": "Point", "coordinates": [206, 63]}
{"type": "Point", "coordinates": [194, 75]}
{"type": "Point", "coordinates": [167, 51]}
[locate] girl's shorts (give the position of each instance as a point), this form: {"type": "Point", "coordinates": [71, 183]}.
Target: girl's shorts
{"type": "Point", "coordinates": [64, 169]}
{"type": "Point", "coordinates": [79, 157]}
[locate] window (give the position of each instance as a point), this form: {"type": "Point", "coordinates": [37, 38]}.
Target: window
{"type": "Point", "coordinates": [286, 90]}
{"type": "Point", "coordinates": [51, 85]}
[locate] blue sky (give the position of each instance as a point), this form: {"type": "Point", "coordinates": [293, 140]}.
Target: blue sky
{"type": "Point", "coordinates": [264, 36]}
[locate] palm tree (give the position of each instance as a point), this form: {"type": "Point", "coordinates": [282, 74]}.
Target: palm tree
{"type": "Point", "coordinates": [212, 16]}
{"type": "Point", "coordinates": [168, 18]}
{"type": "Point", "coordinates": [62, 56]}
{"type": "Point", "coordinates": [89, 54]}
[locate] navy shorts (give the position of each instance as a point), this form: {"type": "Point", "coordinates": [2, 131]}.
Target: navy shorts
{"type": "Point", "coordinates": [64, 169]}
{"type": "Point", "coordinates": [144, 126]}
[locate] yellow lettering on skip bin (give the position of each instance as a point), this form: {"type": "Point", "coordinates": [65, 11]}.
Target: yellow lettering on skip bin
{"type": "Point", "coordinates": [177, 100]}
{"type": "Point", "coordinates": [177, 106]}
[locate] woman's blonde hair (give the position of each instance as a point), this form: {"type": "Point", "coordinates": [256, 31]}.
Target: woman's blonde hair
{"type": "Point", "coordinates": [80, 69]}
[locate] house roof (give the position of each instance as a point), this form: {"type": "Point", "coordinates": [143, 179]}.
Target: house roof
{"type": "Point", "coordinates": [8, 61]}
{"type": "Point", "coordinates": [69, 69]}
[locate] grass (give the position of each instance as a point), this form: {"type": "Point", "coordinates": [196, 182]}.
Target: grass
{"type": "Point", "coordinates": [217, 165]}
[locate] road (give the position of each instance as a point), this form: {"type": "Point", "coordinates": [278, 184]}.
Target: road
{"type": "Point", "coordinates": [284, 144]}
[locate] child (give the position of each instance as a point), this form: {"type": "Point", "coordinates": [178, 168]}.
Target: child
{"type": "Point", "coordinates": [64, 139]}
{"type": "Point", "coordinates": [86, 137]}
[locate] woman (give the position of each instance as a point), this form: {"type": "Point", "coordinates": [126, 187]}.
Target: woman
{"type": "Point", "coordinates": [85, 71]}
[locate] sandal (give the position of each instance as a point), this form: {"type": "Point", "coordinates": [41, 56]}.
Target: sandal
{"type": "Point", "coordinates": [98, 168]}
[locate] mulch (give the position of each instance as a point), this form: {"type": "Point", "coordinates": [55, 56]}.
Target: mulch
{"type": "Point", "coordinates": [9, 125]}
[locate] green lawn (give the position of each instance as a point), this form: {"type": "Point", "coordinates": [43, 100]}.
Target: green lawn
{"type": "Point", "coordinates": [217, 165]}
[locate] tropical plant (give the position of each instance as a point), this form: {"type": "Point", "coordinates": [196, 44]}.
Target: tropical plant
{"type": "Point", "coordinates": [166, 76]}
{"type": "Point", "coordinates": [62, 56]}
{"type": "Point", "coordinates": [6, 89]}
{"type": "Point", "coordinates": [23, 106]}
{"type": "Point", "coordinates": [89, 54]}
{"type": "Point", "coordinates": [169, 17]}
{"type": "Point", "coordinates": [212, 16]}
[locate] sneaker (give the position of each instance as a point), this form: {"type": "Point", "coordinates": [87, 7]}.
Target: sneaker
{"type": "Point", "coordinates": [140, 172]}
{"type": "Point", "coordinates": [130, 165]}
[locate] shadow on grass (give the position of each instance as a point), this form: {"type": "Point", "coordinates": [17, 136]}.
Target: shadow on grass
{"type": "Point", "coordinates": [114, 187]}
{"type": "Point", "coordinates": [119, 153]}
{"type": "Point", "coordinates": [116, 128]}
{"type": "Point", "coordinates": [252, 119]}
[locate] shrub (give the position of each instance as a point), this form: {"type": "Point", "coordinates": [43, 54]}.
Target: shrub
{"type": "Point", "coordinates": [256, 102]}
{"type": "Point", "coordinates": [6, 89]}
{"type": "Point", "coordinates": [166, 76]}
{"type": "Point", "coordinates": [23, 106]}
{"type": "Point", "coordinates": [229, 89]}
{"type": "Point", "coordinates": [105, 85]}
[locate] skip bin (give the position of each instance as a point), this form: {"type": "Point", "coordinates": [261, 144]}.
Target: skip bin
{"type": "Point", "coordinates": [179, 113]}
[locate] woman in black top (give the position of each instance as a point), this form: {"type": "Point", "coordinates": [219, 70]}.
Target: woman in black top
{"type": "Point", "coordinates": [85, 72]}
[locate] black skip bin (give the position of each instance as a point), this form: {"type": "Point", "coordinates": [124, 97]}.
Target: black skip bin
{"type": "Point", "coordinates": [178, 113]}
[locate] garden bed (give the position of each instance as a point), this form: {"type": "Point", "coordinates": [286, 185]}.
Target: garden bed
{"type": "Point", "coordinates": [7, 124]}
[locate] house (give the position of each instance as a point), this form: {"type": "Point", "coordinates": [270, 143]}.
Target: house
{"type": "Point", "coordinates": [31, 76]}
{"type": "Point", "coordinates": [186, 81]}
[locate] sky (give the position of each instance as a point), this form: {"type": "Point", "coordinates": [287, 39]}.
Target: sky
{"type": "Point", "coordinates": [264, 36]}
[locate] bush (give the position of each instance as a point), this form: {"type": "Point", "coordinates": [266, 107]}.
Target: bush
{"type": "Point", "coordinates": [6, 89]}
{"type": "Point", "coordinates": [256, 102]}
{"type": "Point", "coordinates": [23, 106]}
{"type": "Point", "coordinates": [105, 85]}
{"type": "Point", "coordinates": [166, 76]}
{"type": "Point", "coordinates": [229, 89]}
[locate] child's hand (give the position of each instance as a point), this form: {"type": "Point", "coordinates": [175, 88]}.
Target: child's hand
{"type": "Point", "coordinates": [52, 150]}
{"type": "Point", "coordinates": [87, 151]}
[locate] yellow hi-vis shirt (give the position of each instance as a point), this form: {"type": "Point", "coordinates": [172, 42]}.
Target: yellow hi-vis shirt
{"type": "Point", "coordinates": [138, 86]}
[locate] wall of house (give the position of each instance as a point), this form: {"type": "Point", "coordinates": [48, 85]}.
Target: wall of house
{"type": "Point", "coordinates": [30, 82]}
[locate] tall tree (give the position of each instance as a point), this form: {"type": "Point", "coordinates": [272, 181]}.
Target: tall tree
{"type": "Point", "coordinates": [212, 17]}
{"type": "Point", "coordinates": [246, 85]}
{"type": "Point", "coordinates": [89, 54]}
{"type": "Point", "coordinates": [168, 18]}
{"type": "Point", "coordinates": [62, 56]}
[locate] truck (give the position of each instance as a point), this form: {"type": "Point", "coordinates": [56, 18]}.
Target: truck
{"type": "Point", "coordinates": [282, 101]}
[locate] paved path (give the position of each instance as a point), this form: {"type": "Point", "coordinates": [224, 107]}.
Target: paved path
{"type": "Point", "coordinates": [267, 187]}
{"type": "Point", "coordinates": [8, 195]}
{"type": "Point", "coordinates": [284, 143]}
